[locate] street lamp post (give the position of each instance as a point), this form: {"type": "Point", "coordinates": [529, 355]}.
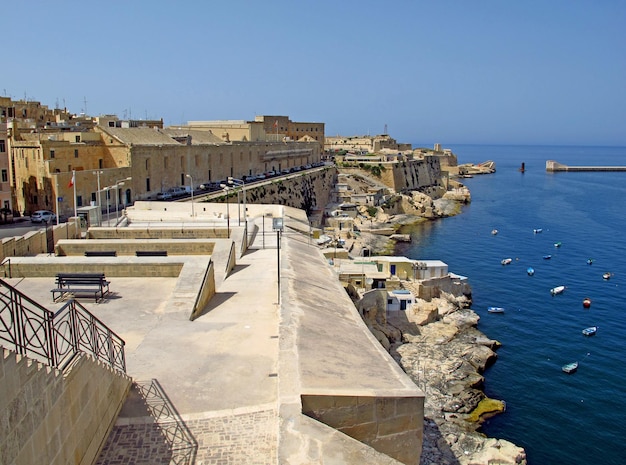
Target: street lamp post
{"type": "Point", "coordinates": [117, 197]}
{"type": "Point", "coordinates": [98, 173]}
{"type": "Point", "coordinates": [242, 184]}
{"type": "Point", "coordinates": [108, 196]}
{"type": "Point", "coordinates": [191, 182]}
{"type": "Point", "coordinates": [226, 189]}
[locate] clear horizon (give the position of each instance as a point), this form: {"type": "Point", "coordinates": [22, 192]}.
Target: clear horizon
{"type": "Point", "coordinates": [532, 73]}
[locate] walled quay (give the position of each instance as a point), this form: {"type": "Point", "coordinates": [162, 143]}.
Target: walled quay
{"type": "Point", "coordinates": [553, 166]}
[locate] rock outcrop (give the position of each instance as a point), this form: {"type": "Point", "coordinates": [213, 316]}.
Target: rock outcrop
{"type": "Point", "coordinates": [446, 355]}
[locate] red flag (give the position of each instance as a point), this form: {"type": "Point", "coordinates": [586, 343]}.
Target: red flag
{"type": "Point", "coordinates": [72, 180]}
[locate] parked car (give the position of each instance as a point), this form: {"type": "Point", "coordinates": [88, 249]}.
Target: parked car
{"type": "Point", "coordinates": [163, 196]}
{"type": "Point", "coordinates": [43, 216]}
{"type": "Point", "coordinates": [178, 191]}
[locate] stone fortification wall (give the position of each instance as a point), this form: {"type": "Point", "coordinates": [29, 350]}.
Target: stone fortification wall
{"type": "Point", "coordinates": [413, 174]}
{"type": "Point", "coordinates": [48, 416]}
{"type": "Point", "coordinates": [306, 192]}
{"type": "Point", "coordinates": [332, 369]}
{"type": "Point", "coordinates": [405, 175]}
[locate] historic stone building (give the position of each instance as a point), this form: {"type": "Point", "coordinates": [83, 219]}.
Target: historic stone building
{"type": "Point", "coordinates": [43, 160]}
{"type": "Point", "coordinates": [367, 144]}
{"type": "Point", "coordinates": [263, 129]}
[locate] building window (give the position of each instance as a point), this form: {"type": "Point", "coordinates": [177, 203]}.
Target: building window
{"type": "Point", "coordinates": [79, 200]}
{"type": "Point", "coordinates": [77, 138]}
{"type": "Point", "coordinates": [147, 184]}
{"type": "Point", "coordinates": [5, 176]}
{"type": "Point", "coordinates": [3, 147]}
{"type": "Point", "coordinates": [100, 163]}
{"type": "Point", "coordinates": [75, 153]}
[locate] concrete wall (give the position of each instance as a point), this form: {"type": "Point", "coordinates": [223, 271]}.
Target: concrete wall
{"type": "Point", "coordinates": [51, 417]}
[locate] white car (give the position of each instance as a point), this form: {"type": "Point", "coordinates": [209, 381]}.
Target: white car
{"type": "Point", "coordinates": [43, 216]}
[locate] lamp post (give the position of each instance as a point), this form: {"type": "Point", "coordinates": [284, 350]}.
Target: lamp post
{"type": "Point", "coordinates": [226, 189]}
{"type": "Point", "coordinates": [242, 184]}
{"type": "Point", "coordinates": [108, 196]}
{"type": "Point", "coordinates": [98, 173]}
{"type": "Point", "coordinates": [191, 182]}
{"type": "Point", "coordinates": [117, 197]}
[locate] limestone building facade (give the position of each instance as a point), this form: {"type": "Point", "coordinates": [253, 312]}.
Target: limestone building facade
{"type": "Point", "coordinates": [45, 159]}
{"type": "Point", "coordinates": [263, 128]}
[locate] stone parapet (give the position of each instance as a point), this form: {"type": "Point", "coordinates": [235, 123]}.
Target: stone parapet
{"type": "Point", "coordinates": [334, 370]}
{"type": "Point", "coordinates": [53, 417]}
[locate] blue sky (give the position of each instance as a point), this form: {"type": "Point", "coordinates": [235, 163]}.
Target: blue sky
{"type": "Point", "coordinates": [533, 72]}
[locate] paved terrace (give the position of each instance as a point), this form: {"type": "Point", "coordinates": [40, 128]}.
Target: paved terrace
{"type": "Point", "coordinates": [231, 386]}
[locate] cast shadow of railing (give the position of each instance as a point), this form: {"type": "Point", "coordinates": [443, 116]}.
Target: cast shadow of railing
{"type": "Point", "coordinates": [182, 444]}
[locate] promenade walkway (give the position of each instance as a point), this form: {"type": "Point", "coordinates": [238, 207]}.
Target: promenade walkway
{"type": "Point", "coordinates": [229, 387]}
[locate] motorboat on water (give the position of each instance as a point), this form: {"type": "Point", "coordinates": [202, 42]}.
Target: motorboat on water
{"type": "Point", "coordinates": [586, 302]}
{"type": "Point", "coordinates": [506, 261]}
{"type": "Point", "coordinates": [557, 290]}
{"type": "Point", "coordinates": [494, 231]}
{"type": "Point", "coordinates": [590, 261]}
{"type": "Point", "coordinates": [557, 244]}
{"type": "Point", "coordinates": [530, 270]}
{"type": "Point", "coordinates": [590, 331]}
{"type": "Point", "coordinates": [495, 309]}
{"type": "Point", "coordinates": [537, 230]}
{"type": "Point", "coordinates": [606, 276]}
{"type": "Point", "coordinates": [570, 367]}
{"type": "Point", "coordinates": [547, 257]}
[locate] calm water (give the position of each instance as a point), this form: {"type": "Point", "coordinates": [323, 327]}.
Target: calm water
{"type": "Point", "coordinates": [557, 418]}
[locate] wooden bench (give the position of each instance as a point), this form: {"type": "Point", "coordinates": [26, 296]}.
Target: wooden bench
{"type": "Point", "coordinates": [100, 253]}
{"type": "Point", "coordinates": [80, 284]}
{"type": "Point", "coordinates": [151, 253]}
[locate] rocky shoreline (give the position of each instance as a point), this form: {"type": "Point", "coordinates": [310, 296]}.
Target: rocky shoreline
{"type": "Point", "coordinates": [438, 345]}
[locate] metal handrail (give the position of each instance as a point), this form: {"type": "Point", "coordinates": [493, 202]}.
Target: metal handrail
{"type": "Point", "coordinates": [56, 338]}
{"type": "Point", "coordinates": [4, 262]}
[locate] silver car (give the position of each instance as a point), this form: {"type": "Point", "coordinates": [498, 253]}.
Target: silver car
{"type": "Point", "coordinates": [43, 216]}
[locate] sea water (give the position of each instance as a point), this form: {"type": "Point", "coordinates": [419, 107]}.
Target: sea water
{"type": "Point", "coordinates": [558, 418]}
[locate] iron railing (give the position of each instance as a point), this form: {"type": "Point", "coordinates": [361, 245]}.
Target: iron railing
{"type": "Point", "coordinates": [55, 338]}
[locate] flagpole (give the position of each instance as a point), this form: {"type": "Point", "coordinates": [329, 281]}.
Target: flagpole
{"type": "Point", "coordinates": [74, 184]}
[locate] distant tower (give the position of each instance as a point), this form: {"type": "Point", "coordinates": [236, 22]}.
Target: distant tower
{"type": "Point", "coordinates": [385, 129]}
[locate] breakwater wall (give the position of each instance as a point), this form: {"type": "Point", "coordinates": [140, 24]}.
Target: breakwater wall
{"type": "Point", "coordinates": [552, 166]}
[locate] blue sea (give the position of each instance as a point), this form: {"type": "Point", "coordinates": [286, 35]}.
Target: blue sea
{"type": "Point", "coordinates": [558, 418]}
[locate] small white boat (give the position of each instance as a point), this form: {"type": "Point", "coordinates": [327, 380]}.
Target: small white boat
{"type": "Point", "coordinates": [506, 261]}
{"type": "Point", "coordinates": [494, 231]}
{"type": "Point", "coordinates": [495, 309]}
{"type": "Point", "coordinates": [590, 331]}
{"type": "Point", "coordinates": [606, 276]}
{"type": "Point", "coordinates": [538, 230]}
{"type": "Point", "coordinates": [570, 367]}
{"type": "Point", "coordinates": [557, 244]}
{"type": "Point", "coordinates": [557, 290]}
{"type": "Point", "coordinates": [530, 270]}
